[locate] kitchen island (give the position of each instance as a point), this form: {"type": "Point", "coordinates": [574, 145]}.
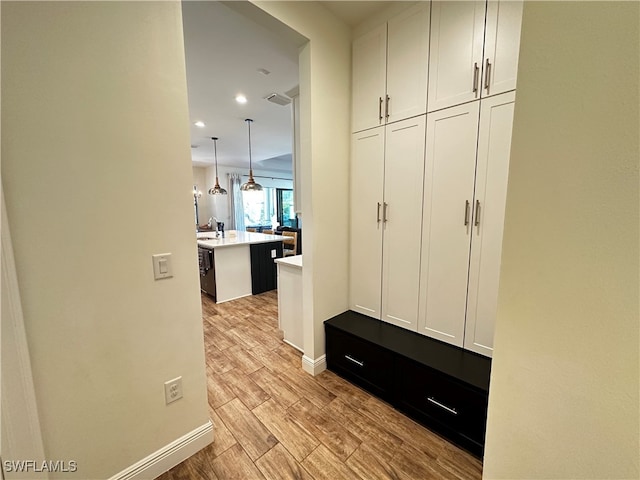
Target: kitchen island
{"type": "Point", "coordinates": [238, 264]}
{"type": "Point", "coordinates": [290, 300]}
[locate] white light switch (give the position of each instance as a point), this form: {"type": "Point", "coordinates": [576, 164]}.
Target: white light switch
{"type": "Point", "coordinates": [162, 266]}
{"type": "Point", "coordinates": [273, 253]}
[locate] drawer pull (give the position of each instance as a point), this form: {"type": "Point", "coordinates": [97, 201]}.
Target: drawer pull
{"type": "Point", "coordinates": [448, 409]}
{"type": "Point", "coordinates": [357, 362]}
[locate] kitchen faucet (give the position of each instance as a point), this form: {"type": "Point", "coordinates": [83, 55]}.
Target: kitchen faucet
{"type": "Point", "coordinates": [215, 225]}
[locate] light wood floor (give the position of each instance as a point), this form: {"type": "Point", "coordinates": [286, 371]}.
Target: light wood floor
{"type": "Point", "coordinates": [273, 421]}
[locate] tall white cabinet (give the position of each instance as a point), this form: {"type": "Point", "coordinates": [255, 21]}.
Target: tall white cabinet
{"type": "Point", "coordinates": [492, 173]}
{"type": "Point", "coordinates": [366, 195]}
{"type": "Point", "coordinates": [428, 191]}
{"type": "Point", "coordinates": [448, 201]}
{"type": "Point", "coordinates": [386, 221]}
{"type": "Point", "coordinates": [467, 166]}
{"type": "Point", "coordinates": [390, 66]}
{"type": "Point", "coordinates": [473, 51]}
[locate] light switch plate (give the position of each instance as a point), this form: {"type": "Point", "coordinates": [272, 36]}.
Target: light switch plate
{"type": "Point", "coordinates": [162, 266]}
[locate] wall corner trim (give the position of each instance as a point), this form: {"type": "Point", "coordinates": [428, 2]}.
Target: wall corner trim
{"type": "Point", "coordinates": [169, 456]}
{"type": "Point", "coordinates": [314, 367]}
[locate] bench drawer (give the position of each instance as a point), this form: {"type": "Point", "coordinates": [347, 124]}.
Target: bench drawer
{"type": "Point", "coordinates": [365, 363]}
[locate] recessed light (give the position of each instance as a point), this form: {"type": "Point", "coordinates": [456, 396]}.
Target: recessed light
{"type": "Point", "coordinates": [199, 124]}
{"type": "Point", "coordinates": [241, 98]}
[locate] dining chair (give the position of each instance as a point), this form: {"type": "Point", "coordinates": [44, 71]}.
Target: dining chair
{"type": "Point", "coordinates": [290, 245]}
{"type": "Point", "coordinates": [268, 232]}
{"type": "Point", "coordinates": [250, 229]}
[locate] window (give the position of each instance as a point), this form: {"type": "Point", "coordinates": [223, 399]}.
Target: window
{"type": "Point", "coordinates": [263, 208]}
{"type": "Point", "coordinates": [285, 209]}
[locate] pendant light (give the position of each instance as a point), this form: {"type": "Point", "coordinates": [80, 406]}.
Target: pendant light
{"type": "Point", "coordinates": [251, 185]}
{"type": "Point", "coordinates": [217, 189]}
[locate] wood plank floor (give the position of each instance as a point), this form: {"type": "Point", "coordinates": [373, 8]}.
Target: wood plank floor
{"type": "Point", "coordinates": [273, 421]}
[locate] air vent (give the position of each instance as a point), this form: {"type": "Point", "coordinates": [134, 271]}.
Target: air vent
{"type": "Point", "coordinates": [278, 99]}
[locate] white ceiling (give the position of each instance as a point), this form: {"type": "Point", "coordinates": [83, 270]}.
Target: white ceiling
{"type": "Point", "coordinates": [224, 50]}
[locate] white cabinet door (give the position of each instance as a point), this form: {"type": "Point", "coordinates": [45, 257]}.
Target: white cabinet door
{"type": "Point", "coordinates": [455, 61]}
{"type": "Point", "coordinates": [402, 219]}
{"type": "Point", "coordinates": [367, 170]}
{"type": "Point", "coordinates": [407, 62]}
{"type": "Point", "coordinates": [448, 198]}
{"type": "Point", "coordinates": [494, 145]}
{"type": "Point", "coordinates": [369, 79]}
{"type": "Point", "coordinates": [501, 46]}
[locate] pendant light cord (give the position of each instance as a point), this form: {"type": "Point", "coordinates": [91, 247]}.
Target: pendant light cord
{"type": "Point", "coordinates": [248, 120]}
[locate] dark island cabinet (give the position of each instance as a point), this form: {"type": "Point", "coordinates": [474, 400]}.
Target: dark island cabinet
{"type": "Point", "coordinates": [439, 385]}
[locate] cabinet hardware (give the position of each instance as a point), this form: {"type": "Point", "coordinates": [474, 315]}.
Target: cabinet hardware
{"type": "Point", "coordinates": [476, 71]}
{"type": "Point", "coordinates": [487, 73]}
{"type": "Point", "coordinates": [380, 109]}
{"type": "Point", "coordinates": [378, 215]}
{"type": "Point", "coordinates": [386, 107]}
{"type": "Point", "coordinates": [384, 212]}
{"type": "Point", "coordinates": [357, 362]}
{"type": "Point", "coordinates": [466, 213]}
{"type": "Point", "coordinates": [477, 220]}
{"type": "Point", "coordinates": [448, 409]}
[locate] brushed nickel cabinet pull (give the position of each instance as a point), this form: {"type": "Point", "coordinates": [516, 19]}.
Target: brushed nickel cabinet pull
{"type": "Point", "coordinates": [466, 213]}
{"type": "Point", "coordinates": [487, 74]}
{"type": "Point", "coordinates": [386, 107]}
{"type": "Point", "coordinates": [384, 212]}
{"type": "Point", "coordinates": [379, 109]}
{"type": "Point", "coordinates": [476, 72]}
{"type": "Point", "coordinates": [378, 215]}
{"type": "Point", "coordinates": [444, 407]}
{"type": "Point", "coordinates": [477, 220]}
{"type": "Point", "coordinates": [353, 360]}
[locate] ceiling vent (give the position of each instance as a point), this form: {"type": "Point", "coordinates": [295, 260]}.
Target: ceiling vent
{"type": "Point", "coordinates": [278, 99]}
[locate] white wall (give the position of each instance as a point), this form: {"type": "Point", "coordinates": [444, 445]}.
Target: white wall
{"type": "Point", "coordinates": [325, 98]}
{"type": "Point", "coordinates": [564, 387]}
{"type": "Point", "coordinates": [97, 178]}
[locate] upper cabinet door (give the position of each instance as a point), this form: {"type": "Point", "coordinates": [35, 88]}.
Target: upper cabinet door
{"type": "Point", "coordinates": [494, 146]}
{"type": "Point", "coordinates": [402, 218]}
{"type": "Point", "coordinates": [367, 170]}
{"type": "Point", "coordinates": [448, 201]}
{"type": "Point", "coordinates": [501, 46]}
{"type": "Point", "coordinates": [369, 79]}
{"type": "Point", "coordinates": [407, 63]}
{"type": "Point", "coordinates": [455, 61]}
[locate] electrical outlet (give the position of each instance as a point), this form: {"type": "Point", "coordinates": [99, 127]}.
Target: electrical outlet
{"type": "Point", "coordinates": [173, 390]}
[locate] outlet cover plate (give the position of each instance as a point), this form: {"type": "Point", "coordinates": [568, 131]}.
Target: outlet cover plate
{"type": "Point", "coordinates": [173, 390]}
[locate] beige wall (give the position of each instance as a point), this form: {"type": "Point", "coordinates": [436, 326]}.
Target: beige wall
{"type": "Point", "coordinates": [325, 85]}
{"type": "Point", "coordinates": [97, 178]}
{"type": "Point", "coordinates": [564, 387]}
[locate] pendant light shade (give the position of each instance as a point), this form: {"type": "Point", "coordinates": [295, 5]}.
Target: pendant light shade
{"type": "Point", "coordinates": [217, 189]}
{"type": "Point", "coordinates": [251, 185]}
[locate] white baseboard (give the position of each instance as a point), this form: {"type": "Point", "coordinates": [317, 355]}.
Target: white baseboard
{"type": "Point", "coordinates": [314, 367]}
{"type": "Point", "coordinates": [294, 346]}
{"type": "Point", "coordinates": [169, 456]}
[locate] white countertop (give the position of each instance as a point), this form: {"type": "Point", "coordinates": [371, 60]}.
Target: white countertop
{"type": "Point", "coordinates": [234, 238]}
{"type": "Point", "coordinates": [294, 261]}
